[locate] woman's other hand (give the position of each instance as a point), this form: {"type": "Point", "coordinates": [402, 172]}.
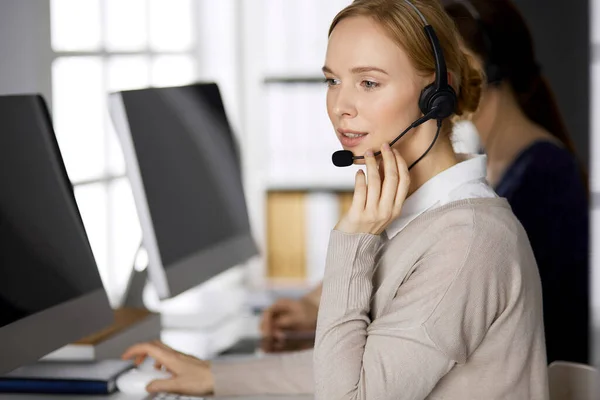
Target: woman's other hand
{"type": "Point", "coordinates": [190, 375]}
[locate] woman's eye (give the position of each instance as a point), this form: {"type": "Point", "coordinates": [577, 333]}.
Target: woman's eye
{"type": "Point", "coordinates": [370, 84]}
{"type": "Point", "coordinates": [331, 82]}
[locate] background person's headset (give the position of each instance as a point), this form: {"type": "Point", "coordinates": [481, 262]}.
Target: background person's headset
{"type": "Point", "coordinates": [493, 71]}
{"type": "Point", "coordinates": [436, 101]}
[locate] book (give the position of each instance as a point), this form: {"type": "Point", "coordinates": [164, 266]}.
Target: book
{"type": "Point", "coordinates": [97, 377]}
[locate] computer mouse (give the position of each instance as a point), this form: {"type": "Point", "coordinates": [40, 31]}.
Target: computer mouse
{"type": "Point", "coordinates": [134, 381]}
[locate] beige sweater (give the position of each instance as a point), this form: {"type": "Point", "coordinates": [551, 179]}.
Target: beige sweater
{"type": "Point", "coordinates": [450, 309]}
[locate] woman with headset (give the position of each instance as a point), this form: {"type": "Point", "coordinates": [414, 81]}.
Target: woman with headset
{"type": "Point", "coordinates": [431, 289]}
{"type": "Point", "coordinates": [530, 161]}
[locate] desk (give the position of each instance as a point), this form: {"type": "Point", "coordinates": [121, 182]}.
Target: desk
{"type": "Point", "coordinates": [120, 396]}
{"type": "Point", "coordinates": [202, 344]}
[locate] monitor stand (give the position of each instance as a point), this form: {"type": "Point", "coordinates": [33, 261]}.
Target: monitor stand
{"type": "Point", "coordinates": [134, 295]}
{"type": "Point", "coordinates": [214, 312]}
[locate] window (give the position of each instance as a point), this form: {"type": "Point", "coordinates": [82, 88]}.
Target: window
{"type": "Point", "coordinates": [298, 127]}
{"type": "Point", "coordinates": [102, 46]}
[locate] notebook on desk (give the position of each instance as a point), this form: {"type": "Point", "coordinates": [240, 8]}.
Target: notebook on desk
{"type": "Point", "coordinates": [65, 378]}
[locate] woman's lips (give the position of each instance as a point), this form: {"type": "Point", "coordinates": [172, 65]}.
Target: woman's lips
{"type": "Point", "coordinates": [350, 138]}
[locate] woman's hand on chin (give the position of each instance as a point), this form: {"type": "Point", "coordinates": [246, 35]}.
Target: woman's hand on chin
{"type": "Point", "coordinates": [378, 199]}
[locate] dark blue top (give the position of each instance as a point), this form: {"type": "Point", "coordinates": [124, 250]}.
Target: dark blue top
{"type": "Point", "coordinates": [545, 189]}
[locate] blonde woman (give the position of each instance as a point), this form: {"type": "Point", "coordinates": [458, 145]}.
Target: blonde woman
{"type": "Point", "coordinates": [431, 289]}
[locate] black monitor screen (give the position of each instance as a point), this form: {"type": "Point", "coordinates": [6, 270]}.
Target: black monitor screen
{"type": "Point", "coordinates": [45, 258]}
{"type": "Point", "coordinates": [190, 167]}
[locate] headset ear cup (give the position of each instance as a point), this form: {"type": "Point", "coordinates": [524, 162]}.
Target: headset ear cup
{"type": "Point", "coordinates": [425, 98]}
{"type": "Point", "coordinates": [444, 101]}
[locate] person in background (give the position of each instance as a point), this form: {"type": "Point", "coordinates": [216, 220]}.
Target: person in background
{"type": "Point", "coordinates": [287, 315]}
{"type": "Point", "coordinates": [531, 161]}
{"type": "Point", "coordinates": [431, 289]}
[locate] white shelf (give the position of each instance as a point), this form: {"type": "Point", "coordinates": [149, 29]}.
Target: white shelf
{"type": "Point", "coordinates": [309, 186]}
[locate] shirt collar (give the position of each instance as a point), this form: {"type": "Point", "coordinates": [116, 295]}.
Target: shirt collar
{"type": "Point", "coordinates": [438, 190]}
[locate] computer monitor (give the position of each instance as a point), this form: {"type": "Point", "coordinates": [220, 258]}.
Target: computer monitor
{"type": "Point", "coordinates": [50, 289]}
{"type": "Point", "coordinates": [184, 170]}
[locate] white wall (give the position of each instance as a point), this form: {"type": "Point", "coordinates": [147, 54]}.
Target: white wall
{"type": "Point", "coordinates": [229, 52]}
{"type": "Point", "coordinates": [25, 55]}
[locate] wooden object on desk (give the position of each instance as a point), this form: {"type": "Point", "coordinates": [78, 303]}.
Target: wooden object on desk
{"type": "Point", "coordinates": [130, 326]}
{"type": "Point", "coordinates": [125, 318]}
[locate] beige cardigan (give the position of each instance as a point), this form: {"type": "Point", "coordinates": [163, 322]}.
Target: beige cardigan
{"type": "Point", "coordinates": [450, 309]}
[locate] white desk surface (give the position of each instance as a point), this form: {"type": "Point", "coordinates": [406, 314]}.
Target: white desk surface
{"type": "Point", "coordinates": [120, 396]}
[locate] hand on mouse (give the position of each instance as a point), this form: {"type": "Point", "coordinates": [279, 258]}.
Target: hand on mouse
{"type": "Point", "coordinates": [190, 375]}
{"type": "Point", "coordinates": [378, 200]}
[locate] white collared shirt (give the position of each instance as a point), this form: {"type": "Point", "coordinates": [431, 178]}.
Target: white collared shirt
{"type": "Point", "coordinates": [465, 180]}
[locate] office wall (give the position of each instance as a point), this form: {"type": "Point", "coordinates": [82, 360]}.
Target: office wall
{"type": "Point", "coordinates": [561, 35]}
{"type": "Point", "coordinates": [25, 56]}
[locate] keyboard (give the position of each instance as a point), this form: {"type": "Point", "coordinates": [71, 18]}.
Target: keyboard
{"type": "Point", "coordinates": [247, 345]}
{"type": "Point", "coordinates": [166, 396]}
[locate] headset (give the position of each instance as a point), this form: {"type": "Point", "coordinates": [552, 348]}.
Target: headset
{"type": "Point", "coordinates": [437, 100]}
{"type": "Point", "coordinates": [493, 71]}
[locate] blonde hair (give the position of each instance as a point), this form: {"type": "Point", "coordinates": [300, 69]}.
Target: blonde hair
{"type": "Point", "coordinates": [405, 28]}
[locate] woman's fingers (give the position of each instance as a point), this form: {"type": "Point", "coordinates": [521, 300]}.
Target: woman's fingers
{"type": "Point", "coordinates": [403, 182]}
{"type": "Point", "coordinates": [390, 182]}
{"type": "Point", "coordinates": [373, 181]}
{"type": "Point", "coordinates": [360, 193]}
{"type": "Point", "coordinates": [164, 346]}
{"type": "Point", "coordinates": [139, 352]}
{"type": "Point", "coordinates": [378, 196]}
{"type": "Point", "coordinates": [170, 385]}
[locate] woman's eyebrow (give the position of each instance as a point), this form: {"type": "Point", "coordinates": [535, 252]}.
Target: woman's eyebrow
{"type": "Point", "coordinates": [359, 70]}
{"type": "Point", "coordinates": [356, 70]}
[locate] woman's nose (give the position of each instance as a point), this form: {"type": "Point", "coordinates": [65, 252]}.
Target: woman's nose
{"type": "Point", "coordinates": [345, 103]}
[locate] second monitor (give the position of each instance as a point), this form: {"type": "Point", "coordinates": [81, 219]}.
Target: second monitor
{"type": "Point", "coordinates": [184, 170]}
{"type": "Point", "coordinates": [50, 289]}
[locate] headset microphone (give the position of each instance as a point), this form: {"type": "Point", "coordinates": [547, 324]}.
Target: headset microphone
{"type": "Point", "coordinates": [345, 158]}
{"type": "Point", "coordinates": [437, 100]}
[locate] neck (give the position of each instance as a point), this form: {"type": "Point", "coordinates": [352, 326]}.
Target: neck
{"type": "Point", "coordinates": [439, 158]}
{"type": "Point", "coordinates": [511, 131]}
